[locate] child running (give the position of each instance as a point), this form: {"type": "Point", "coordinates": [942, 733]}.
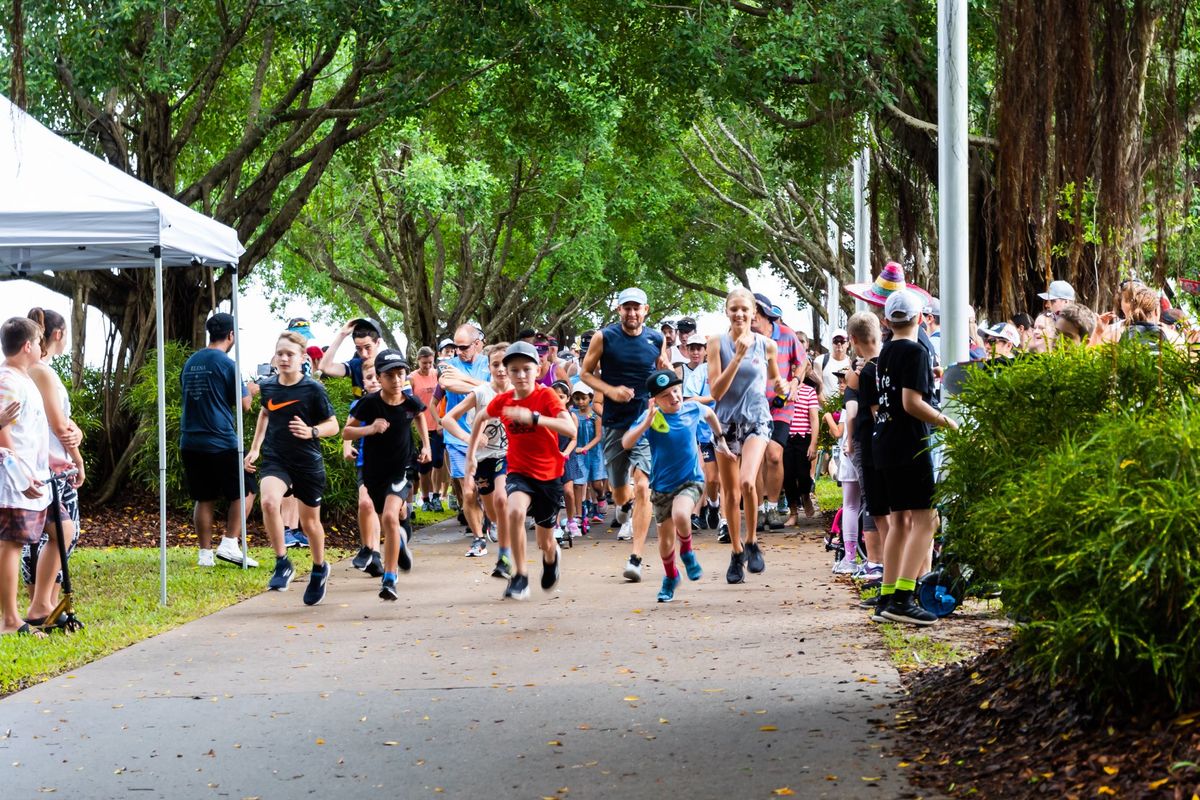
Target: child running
{"type": "Point", "coordinates": [487, 451]}
{"type": "Point", "coordinates": [368, 558]}
{"type": "Point", "coordinates": [676, 482]}
{"type": "Point", "coordinates": [295, 414]}
{"type": "Point", "coordinates": [534, 418]}
{"type": "Point", "coordinates": [589, 464]}
{"type": "Point", "coordinates": [739, 363]}
{"type": "Point", "coordinates": [386, 419]}
{"type": "Point", "coordinates": [566, 445]}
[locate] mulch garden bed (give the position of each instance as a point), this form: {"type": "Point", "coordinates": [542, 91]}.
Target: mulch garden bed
{"type": "Point", "coordinates": [988, 729]}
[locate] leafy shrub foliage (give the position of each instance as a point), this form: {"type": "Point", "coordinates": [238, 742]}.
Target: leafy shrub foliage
{"type": "Point", "coordinates": [1076, 484]}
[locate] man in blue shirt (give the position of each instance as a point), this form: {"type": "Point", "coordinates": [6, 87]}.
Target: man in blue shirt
{"type": "Point", "coordinates": [459, 375]}
{"type": "Point", "coordinates": [208, 441]}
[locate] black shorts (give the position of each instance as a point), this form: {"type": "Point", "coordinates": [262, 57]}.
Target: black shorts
{"type": "Point", "coordinates": [214, 476]}
{"type": "Point", "coordinates": [380, 490]}
{"type": "Point", "coordinates": [306, 486]}
{"type": "Point", "coordinates": [486, 472]}
{"type": "Point", "coordinates": [780, 431]}
{"type": "Point", "coordinates": [544, 497]}
{"type": "Point", "coordinates": [874, 492]}
{"type": "Point", "coordinates": [708, 452]}
{"type": "Point", "coordinates": [437, 453]}
{"type": "Point", "coordinates": [910, 487]}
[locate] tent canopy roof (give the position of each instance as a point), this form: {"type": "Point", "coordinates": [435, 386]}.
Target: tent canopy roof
{"type": "Point", "coordinates": [61, 208]}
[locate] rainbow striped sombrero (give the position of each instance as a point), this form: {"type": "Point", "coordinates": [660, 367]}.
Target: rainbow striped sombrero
{"type": "Point", "coordinates": [890, 280]}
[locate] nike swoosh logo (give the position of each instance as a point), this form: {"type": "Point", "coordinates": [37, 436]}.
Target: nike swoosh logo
{"type": "Point", "coordinates": [273, 406]}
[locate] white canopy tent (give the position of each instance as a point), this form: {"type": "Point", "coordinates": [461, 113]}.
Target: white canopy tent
{"type": "Point", "coordinates": [61, 208]}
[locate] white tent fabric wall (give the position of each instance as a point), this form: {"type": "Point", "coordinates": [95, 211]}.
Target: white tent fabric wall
{"type": "Point", "coordinates": [61, 208]}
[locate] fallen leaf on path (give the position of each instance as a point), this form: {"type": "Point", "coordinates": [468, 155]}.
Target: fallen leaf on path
{"type": "Point", "coordinates": [783, 791]}
{"type": "Point", "coordinates": [768, 728]}
{"type": "Point", "coordinates": [1111, 770]}
{"type": "Point", "coordinates": [554, 743]}
{"type": "Point", "coordinates": [391, 744]}
{"type": "Point", "coordinates": [1159, 783]}
{"type": "Point", "coordinates": [631, 698]}
{"type": "Point", "coordinates": [320, 741]}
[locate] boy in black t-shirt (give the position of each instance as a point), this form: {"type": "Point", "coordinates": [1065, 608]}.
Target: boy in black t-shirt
{"type": "Point", "coordinates": [901, 453]}
{"type": "Point", "coordinates": [386, 419]}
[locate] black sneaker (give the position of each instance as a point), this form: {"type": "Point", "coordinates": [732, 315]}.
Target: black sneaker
{"type": "Point", "coordinates": [315, 592]}
{"type": "Point", "coordinates": [361, 559]}
{"type": "Point", "coordinates": [723, 534]}
{"type": "Point", "coordinates": [754, 559]}
{"type": "Point", "coordinates": [736, 572]}
{"type": "Point", "coordinates": [518, 588]}
{"type": "Point", "coordinates": [405, 556]}
{"type": "Point", "coordinates": [282, 577]}
{"type": "Point", "coordinates": [869, 602]}
{"type": "Point", "coordinates": [881, 605]}
{"type": "Point", "coordinates": [503, 568]}
{"type": "Point", "coordinates": [714, 516]}
{"type": "Point", "coordinates": [695, 522]}
{"type": "Point", "coordinates": [374, 566]}
{"type": "Point", "coordinates": [550, 571]}
{"type": "Point", "coordinates": [904, 608]}
{"type": "Point", "coordinates": [387, 589]}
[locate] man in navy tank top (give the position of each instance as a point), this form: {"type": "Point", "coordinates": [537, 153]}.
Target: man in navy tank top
{"type": "Point", "coordinates": [619, 359]}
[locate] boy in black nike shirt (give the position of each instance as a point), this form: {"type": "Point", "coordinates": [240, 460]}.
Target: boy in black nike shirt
{"type": "Point", "coordinates": [386, 419]}
{"type": "Point", "coordinates": [295, 414]}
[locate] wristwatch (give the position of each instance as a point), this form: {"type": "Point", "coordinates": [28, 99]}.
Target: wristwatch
{"type": "Point", "coordinates": [316, 434]}
{"type": "Point", "coordinates": [534, 419]}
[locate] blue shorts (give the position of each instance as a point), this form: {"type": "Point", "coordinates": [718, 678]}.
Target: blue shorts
{"type": "Point", "coordinates": [457, 456]}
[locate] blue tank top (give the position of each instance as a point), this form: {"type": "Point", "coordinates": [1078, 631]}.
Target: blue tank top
{"type": "Point", "coordinates": [628, 361]}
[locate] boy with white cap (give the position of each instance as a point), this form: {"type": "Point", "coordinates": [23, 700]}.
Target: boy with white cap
{"type": "Point", "coordinates": [901, 453]}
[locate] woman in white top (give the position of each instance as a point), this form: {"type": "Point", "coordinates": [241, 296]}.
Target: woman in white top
{"type": "Point", "coordinates": [40, 562]}
{"type": "Point", "coordinates": [739, 363]}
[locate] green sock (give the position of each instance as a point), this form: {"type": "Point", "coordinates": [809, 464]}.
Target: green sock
{"type": "Point", "coordinates": [886, 589]}
{"type": "Point", "coordinates": [906, 584]}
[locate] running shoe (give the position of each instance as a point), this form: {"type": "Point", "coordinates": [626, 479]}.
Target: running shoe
{"type": "Point", "coordinates": [405, 555]}
{"type": "Point", "coordinates": [667, 593]}
{"type": "Point", "coordinates": [695, 522]}
{"type": "Point", "coordinates": [425, 505]}
{"type": "Point", "coordinates": [462, 520]}
{"type": "Point", "coordinates": [905, 609]}
{"type": "Point", "coordinates": [736, 572]}
{"type": "Point", "coordinates": [317, 581]}
{"type": "Point", "coordinates": [503, 568]}
{"type": "Point", "coordinates": [691, 565]}
{"type": "Point", "coordinates": [714, 516]}
{"type": "Point", "coordinates": [230, 550]}
{"type": "Point", "coordinates": [624, 511]}
{"type": "Point", "coordinates": [633, 569]}
{"type": "Point", "coordinates": [387, 589]}
{"type": "Point", "coordinates": [289, 538]}
{"type": "Point", "coordinates": [754, 558]}
{"type": "Point", "coordinates": [774, 518]}
{"type": "Point", "coordinates": [489, 528]}
{"type": "Point", "coordinates": [700, 521]}
{"type": "Point", "coordinates": [478, 548]}
{"type": "Point", "coordinates": [723, 536]}
{"type": "Point", "coordinates": [873, 572]}
{"type": "Point", "coordinates": [550, 572]}
{"type": "Point", "coordinates": [573, 526]}
{"type": "Point", "coordinates": [881, 605]}
{"type": "Point", "coordinates": [206, 559]}
{"type": "Point", "coordinates": [518, 588]}
{"type": "Point", "coordinates": [452, 501]}
{"type": "Point", "coordinates": [626, 531]}
{"type": "Point", "coordinates": [282, 577]}
{"type": "Point", "coordinates": [361, 559]}
{"type": "Point", "coordinates": [436, 506]}
{"type": "Point", "coordinates": [844, 567]}
{"type": "Point", "coordinates": [374, 566]}
{"type": "Point", "coordinates": [301, 538]}
{"type": "Point", "coordinates": [558, 532]}
{"type": "Point", "coordinates": [597, 517]}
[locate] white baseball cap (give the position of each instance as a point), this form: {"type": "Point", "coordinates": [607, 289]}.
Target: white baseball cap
{"type": "Point", "coordinates": [1002, 330]}
{"type": "Point", "coordinates": [581, 388]}
{"type": "Point", "coordinates": [632, 295]}
{"type": "Point", "coordinates": [1059, 290]}
{"type": "Point", "coordinates": [903, 305]}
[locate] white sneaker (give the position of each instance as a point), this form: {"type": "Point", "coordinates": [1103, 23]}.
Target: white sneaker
{"type": "Point", "coordinates": [206, 559]}
{"type": "Point", "coordinates": [558, 532]}
{"type": "Point", "coordinates": [633, 570]}
{"type": "Point", "coordinates": [844, 567]}
{"type": "Point", "coordinates": [626, 531]}
{"type": "Point", "coordinates": [228, 550]}
{"type": "Point", "coordinates": [623, 514]}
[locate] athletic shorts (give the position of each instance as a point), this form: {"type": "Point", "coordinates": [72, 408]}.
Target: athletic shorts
{"type": "Point", "coordinates": [358, 473]}
{"type": "Point", "coordinates": [457, 457]}
{"type": "Point", "coordinates": [544, 497]}
{"type": "Point", "coordinates": [618, 461]}
{"type": "Point", "coordinates": [780, 430]}
{"type": "Point", "coordinates": [379, 491]}
{"type": "Point", "coordinates": [874, 492]}
{"type": "Point", "coordinates": [486, 472]}
{"type": "Point", "coordinates": [910, 487]}
{"type": "Point", "coordinates": [306, 486]}
{"type": "Point", "coordinates": [214, 476]}
{"type": "Point", "coordinates": [437, 450]}
{"type": "Point", "coordinates": [663, 502]}
{"type": "Point", "coordinates": [21, 525]}
{"type": "Point", "coordinates": [708, 452]}
{"type": "Point", "coordinates": [68, 498]}
{"type": "Point", "coordinates": [736, 433]}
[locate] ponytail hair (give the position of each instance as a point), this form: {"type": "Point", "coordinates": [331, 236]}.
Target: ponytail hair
{"type": "Point", "coordinates": [50, 322]}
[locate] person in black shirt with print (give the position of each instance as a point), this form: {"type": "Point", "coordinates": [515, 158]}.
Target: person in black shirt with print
{"type": "Point", "coordinates": [384, 420]}
{"type": "Point", "coordinates": [295, 414]}
{"type": "Point", "coordinates": [901, 451]}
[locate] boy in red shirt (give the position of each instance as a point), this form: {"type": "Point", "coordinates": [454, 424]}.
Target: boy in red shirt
{"type": "Point", "coordinates": [533, 417]}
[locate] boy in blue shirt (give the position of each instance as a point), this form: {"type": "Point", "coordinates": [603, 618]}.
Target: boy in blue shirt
{"type": "Point", "coordinates": [676, 481]}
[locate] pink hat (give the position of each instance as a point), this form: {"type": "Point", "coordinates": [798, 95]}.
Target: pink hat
{"type": "Point", "coordinates": [889, 280]}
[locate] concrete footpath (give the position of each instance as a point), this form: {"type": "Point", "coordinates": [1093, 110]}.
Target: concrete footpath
{"type": "Point", "coordinates": [591, 691]}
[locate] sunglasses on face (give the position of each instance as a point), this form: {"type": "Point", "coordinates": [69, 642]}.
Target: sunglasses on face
{"type": "Point", "coordinates": [541, 351]}
{"type": "Point", "coordinates": [462, 347]}
{"type": "Point", "coordinates": [839, 340]}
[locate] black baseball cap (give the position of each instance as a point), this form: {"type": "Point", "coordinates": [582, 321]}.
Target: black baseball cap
{"type": "Point", "coordinates": [386, 360]}
{"type": "Point", "coordinates": [686, 325]}
{"type": "Point", "coordinates": [660, 380]}
{"type": "Point", "coordinates": [220, 325]}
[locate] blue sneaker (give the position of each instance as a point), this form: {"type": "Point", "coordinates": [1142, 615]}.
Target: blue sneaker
{"type": "Point", "coordinates": [436, 505]}
{"type": "Point", "coordinates": [281, 578]}
{"type": "Point", "coordinates": [317, 581]}
{"type": "Point", "coordinates": [691, 565]}
{"type": "Point", "coordinates": [667, 593]}
{"type": "Point", "coordinates": [301, 539]}
{"type": "Point", "coordinates": [289, 538]}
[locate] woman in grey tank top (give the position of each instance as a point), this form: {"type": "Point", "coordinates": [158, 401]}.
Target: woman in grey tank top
{"type": "Point", "coordinates": [739, 363]}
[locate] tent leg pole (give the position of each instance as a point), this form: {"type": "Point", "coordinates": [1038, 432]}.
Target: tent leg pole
{"type": "Point", "coordinates": [237, 361]}
{"type": "Point", "coordinates": [162, 425]}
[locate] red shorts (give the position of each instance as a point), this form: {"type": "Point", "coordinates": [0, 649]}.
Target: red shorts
{"type": "Point", "coordinates": [21, 525]}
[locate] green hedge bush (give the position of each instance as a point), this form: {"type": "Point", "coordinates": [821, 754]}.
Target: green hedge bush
{"type": "Point", "coordinates": [1076, 483]}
